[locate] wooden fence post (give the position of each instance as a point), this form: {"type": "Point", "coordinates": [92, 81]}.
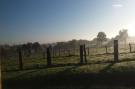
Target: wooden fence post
{"type": "Point", "coordinates": [81, 54]}
{"type": "Point", "coordinates": [116, 53]}
{"type": "Point", "coordinates": [20, 59]}
{"type": "Point", "coordinates": [106, 49]}
{"type": "Point", "coordinates": [84, 50]}
{"type": "Point", "coordinates": [2, 53]}
{"type": "Point", "coordinates": [49, 61]}
{"type": "Point", "coordinates": [130, 47]}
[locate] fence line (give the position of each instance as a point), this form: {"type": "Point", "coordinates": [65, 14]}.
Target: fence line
{"type": "Point", "coordinates": [51, 53]}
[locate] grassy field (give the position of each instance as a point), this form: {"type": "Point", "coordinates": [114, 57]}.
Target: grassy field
{"type": "Point", "coordinates": [66, 73]}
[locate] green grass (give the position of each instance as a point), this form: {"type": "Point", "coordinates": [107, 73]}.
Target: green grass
{"type": "Point", "coordinates": [79, 76]}
{"type": "Point", "coordinates": [67, 73]}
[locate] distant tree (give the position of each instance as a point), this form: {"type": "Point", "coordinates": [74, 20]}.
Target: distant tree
{"type": "Point", "coordinates": [60, 45]}
{"type": "Point", "coordinates": [123, 35]}
{"type": "Point", "coordinates": [73, 45]}
{"type": "Point", "coordinates": [29, 48]}
{"type": "Point", "coordinates": [36, 46]}
{"type": "Point", "coordinates": [3, 53]}
{"type": "Point", "coordinates": [101, 37]}
{"type": "Point", "coordinates": [24, 47]}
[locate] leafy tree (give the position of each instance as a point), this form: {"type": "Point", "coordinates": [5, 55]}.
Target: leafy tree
{"type": "Point", "coordinates": [101, 37]}
{"type": "Point", "coordinates": [24, 47]}
{"type": "Point", "coordinates": [28, 48]}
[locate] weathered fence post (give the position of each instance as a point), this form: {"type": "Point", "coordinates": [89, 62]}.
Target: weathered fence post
{"type": "Point", "coordinates": [130, 47]}
{"type": "Point", "coordinates": [84, 50]}
{"type": "Point", "coordinates": [116, 53]}
{"type": "Point", "coordinates": [2, 53]}
{"type": "Point", "coordinates": [20, 59]}
{"type": "Point", "coordinates": [106, 49]}
{"type": "Point", "coordinates": [81, 54]}
{"type": "Point", "coordinates": [49, 61]}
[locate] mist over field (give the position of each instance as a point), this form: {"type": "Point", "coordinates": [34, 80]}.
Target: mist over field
{"type": "Point", "coordinates": [67, 44]}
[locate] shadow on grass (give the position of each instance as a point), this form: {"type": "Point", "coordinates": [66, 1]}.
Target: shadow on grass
{"type": "Point", "coordinates": [107, 68]}
{"type": "Point", "coordinates": [66, 78]}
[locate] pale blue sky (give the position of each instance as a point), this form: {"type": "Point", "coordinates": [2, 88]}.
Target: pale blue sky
{"type": "Point", "coordinates": [61, 20]}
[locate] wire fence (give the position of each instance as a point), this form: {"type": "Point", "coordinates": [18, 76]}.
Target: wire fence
{"type": "Point", "coordinates": [12, 59]}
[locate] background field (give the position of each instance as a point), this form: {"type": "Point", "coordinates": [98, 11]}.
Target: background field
{"type": "Point", "coordinates": [67, 73]}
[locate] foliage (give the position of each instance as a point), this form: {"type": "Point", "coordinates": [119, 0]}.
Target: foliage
{"type": "Point", "coordinates": [101, 37]}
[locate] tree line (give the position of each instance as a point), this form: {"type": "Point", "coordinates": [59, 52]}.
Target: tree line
{"type": "Point", "coordinates": [99, 41]}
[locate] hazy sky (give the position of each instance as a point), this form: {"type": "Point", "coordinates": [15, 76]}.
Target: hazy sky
{"type": "Point", "coordinates": [59, 20]}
